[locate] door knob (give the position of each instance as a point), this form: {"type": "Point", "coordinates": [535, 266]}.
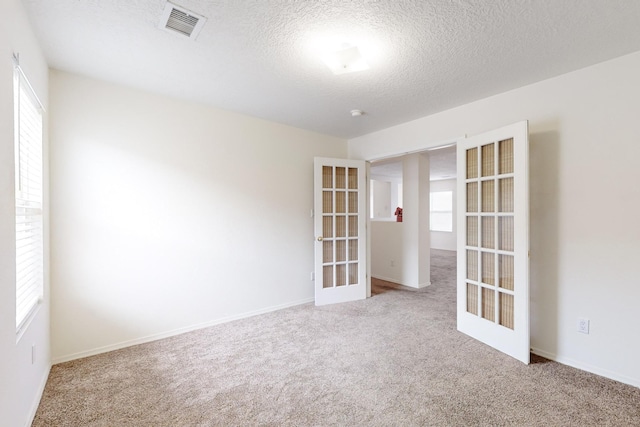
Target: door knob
{"type": "Point", "coordinates": [319, 238]}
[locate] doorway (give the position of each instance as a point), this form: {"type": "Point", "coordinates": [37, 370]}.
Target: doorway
{"type": "Point", "coordinates": [390, 251]}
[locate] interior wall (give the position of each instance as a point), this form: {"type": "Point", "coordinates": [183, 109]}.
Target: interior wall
{"type": "Point", "coordinates": [394, 199]}
{"type": "Point", "coordinates": [442, 239]}
{"type": "Point", "coordinates": [169, 215]}
{"type": "Point", "coordinates": [21, 379]}
{"type": "Point", "coordinates": [584, 150]}
{"type": "Point", "coordinates": [387, 251]}
{"type": "Point", "coordinates": [381, 192]}
{"type": "Point", "coordinates": [400, 250]}
{"type": "Point", "coordinates": [416, 259]}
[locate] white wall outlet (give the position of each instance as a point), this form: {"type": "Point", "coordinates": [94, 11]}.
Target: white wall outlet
{"type": "Point", "coordinates": [583, 325]}
{"type": "Point", "coordinates": [313, 276]}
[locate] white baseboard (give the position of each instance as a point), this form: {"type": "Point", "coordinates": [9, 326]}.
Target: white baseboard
{"type": "Point", "coordinates": [586, 367]}
{"type": "Point", "coordinates": [36, 401]}
{"type": "Point", "coordinates": [175, 332]}
{"type": "Point", "coordinates": [392, 280]}
{"type": "Point", "coordinates": [387, 279]}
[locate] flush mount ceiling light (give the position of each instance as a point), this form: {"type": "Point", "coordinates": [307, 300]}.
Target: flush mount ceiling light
{"type": "Point", "coordinates": [182, 21]}
{"type": "Point", "coordinates": [346, 60]}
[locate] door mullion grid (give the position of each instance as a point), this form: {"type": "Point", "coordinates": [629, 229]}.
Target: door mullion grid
{"type": "Point", "coordinates": [478, 196]}
{"type": "Point", "coordinates": [347, 226]}
{"type": "Point", "coordinates": [496, 280]}
{"type": "Point", "coordinates": [335, 226]}
{"type": "Point", "coordinates": [506, 334]}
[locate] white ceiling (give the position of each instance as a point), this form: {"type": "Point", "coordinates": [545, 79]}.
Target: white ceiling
{"type": "Point", "coordinates": [442, 165]}
{"type": "Point", "coordinates": [255, 56]}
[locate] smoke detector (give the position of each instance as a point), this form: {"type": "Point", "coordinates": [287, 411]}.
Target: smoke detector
{"type": "Point", "coordinates": [179, 20]}
{"type": "Point", "coordinates": [356, 113]}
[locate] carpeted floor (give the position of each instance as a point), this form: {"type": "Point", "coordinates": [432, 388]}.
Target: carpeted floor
{"type": "Point", "coordinates": [395, 359]}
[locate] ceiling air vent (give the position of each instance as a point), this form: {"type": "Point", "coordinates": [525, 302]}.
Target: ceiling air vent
{"type": "Point", "coordinates": [182, 21]}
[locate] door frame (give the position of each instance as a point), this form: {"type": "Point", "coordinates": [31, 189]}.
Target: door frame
{"type": "Point", "coordinates": [420, 148]}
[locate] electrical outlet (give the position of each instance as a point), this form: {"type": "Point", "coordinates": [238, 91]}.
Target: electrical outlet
{"type": "Point", "coordinates": [313, 276]}
{"type": "Point", "coordinates": [583, 325]}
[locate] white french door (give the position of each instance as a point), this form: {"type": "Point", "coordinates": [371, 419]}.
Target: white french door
{"type": "Point", "coordinates": [340, 230]}
{"type": "Point", "coordinates": [493, 239]}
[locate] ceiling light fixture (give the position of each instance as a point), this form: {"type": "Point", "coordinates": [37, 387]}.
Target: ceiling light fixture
{"type": "Point", "coordinates": [346, 60]}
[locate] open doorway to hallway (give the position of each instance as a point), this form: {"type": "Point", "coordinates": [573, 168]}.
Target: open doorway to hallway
{"type": "Point", "coordinates": [428, 204]}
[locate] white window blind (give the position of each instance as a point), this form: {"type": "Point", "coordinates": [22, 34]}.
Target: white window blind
{"type": "Point", "coordinates": [29, 217]}
{"type": "Point", "coordinates": [441, 211]}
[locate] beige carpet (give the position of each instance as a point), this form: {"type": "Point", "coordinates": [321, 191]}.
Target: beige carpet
{"type": "Point", "coordinates": [393, 360]}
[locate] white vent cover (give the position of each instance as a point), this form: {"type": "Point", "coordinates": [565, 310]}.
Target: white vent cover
{"type": "Point", "coordinates": [182, 21]}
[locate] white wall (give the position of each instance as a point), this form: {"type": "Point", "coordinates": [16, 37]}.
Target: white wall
{"type": "Point", "coordinates": [21, 382]}
{"type": "Point", "coordinates": [585, 199]}
{"type": "Point", "coordinates": [392, 201]}
{"type": "Point", "coordinates": [381, 198]}
{"type": "Point", "coordinates": [442, 239]}
{"type": "Point", "coordinates": [387, 251]}
{"type": "Point", "coordinates": [168, 215]}
{"type": "Point", "coordinates": [400, 251]}
{"type": "Point", "coordinates": [416, 260]}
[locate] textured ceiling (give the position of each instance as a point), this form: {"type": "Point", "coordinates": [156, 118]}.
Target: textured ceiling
{"type": "Point", "coordinates": [257, 57]}
{"type": "Point", "coordinates": [442, 165]}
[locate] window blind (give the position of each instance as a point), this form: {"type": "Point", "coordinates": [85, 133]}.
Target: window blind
{"type": "Point", "coordinates": [29, 186]}
{"type": "Point", "coordinates": [441, 207]}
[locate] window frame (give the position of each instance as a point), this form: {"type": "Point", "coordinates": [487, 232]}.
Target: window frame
{"type": "Point", "coordinates": [29, 199]}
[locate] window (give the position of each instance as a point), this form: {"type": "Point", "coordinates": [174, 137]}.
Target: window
{"type": "Point", "coordinates": [441, 206]}
{"type": "Point", "coordinates": [29, 217]}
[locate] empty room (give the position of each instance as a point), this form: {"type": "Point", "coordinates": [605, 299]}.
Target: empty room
{"type": "Point", "coordinates": [304, 213]}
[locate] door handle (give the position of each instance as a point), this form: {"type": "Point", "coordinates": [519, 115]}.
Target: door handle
{"type": "Point", "coordinates": [319, 239]}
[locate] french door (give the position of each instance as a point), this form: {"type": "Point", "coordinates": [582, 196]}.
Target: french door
{"type": "Point", "coordinates": [340, 230]}
{"type": "Point", "coordinates": [493, 239]}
